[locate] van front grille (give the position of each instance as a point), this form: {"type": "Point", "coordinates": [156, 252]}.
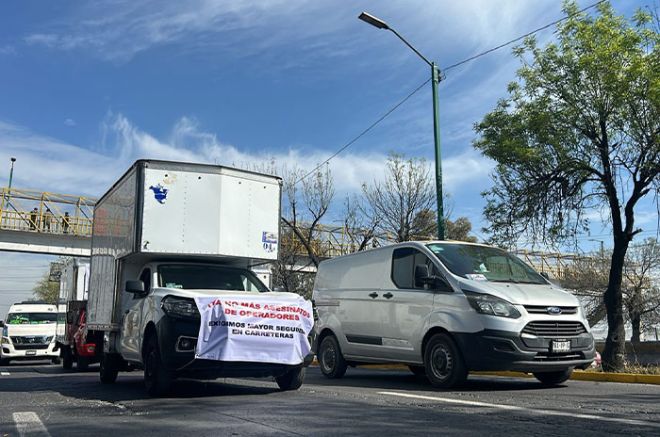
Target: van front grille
{"type": "Point", "coordinates": [543, 309]}
{"type": "Point", "coordinates": [30, 340]}
{"type": "Point", "coordinates": [554, 329]}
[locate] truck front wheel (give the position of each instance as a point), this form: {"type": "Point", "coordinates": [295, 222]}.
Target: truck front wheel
{"type": "Point", "coordinates": [291, 380]}
{"type": "Point", "coordinates": [109, 368]}
{"type": "Point", "coordinates": [157, 379]}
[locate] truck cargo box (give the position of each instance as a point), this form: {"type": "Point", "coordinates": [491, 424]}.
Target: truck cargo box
{"type": "Point", "coordinates": [172, 209]}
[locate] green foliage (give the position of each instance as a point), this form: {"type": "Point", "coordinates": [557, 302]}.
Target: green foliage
{"type": "Point", "coordinates": [579, 129]}
{"type": "Point", "coordinates": [46, 290]}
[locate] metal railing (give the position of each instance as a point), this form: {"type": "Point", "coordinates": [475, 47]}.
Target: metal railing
{"type": "Point", "coordinates": [43, 212]}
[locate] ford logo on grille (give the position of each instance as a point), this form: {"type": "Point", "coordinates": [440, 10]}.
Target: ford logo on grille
{"type": "Point", "coordinates": [553, 310]}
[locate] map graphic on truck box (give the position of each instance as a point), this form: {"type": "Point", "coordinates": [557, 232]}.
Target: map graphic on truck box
{"type": "Point", "coordinates": [261, 329]}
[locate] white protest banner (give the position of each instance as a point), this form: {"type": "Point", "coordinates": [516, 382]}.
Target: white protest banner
{"type": "Point", "coordinates": [259, 328]}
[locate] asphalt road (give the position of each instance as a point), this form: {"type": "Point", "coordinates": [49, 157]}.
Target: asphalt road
{"type": "Point", "coordinates": [42, 400]}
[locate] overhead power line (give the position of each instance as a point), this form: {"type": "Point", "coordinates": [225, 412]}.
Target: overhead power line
{"type": "Point", "coordinates": [401, 102]}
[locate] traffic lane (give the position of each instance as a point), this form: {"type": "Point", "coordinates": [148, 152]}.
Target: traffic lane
{"type": "Point", "coordinates": [619, 400]}
{"type": "Point", "coordinates": [77, 404]}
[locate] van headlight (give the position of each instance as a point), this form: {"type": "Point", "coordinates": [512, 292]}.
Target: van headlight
{"type": "Point", "coordinates": [180, 307]}
{"type": "Point", "coordinates": [491, 305]}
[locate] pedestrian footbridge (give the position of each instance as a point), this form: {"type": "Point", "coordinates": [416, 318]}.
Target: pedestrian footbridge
{"type": "Point", "coordinates": [46, 223]}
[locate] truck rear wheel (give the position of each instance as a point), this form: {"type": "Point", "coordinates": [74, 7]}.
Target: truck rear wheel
{"type": "Point", "coordinates": [157, 379]}
{"type": "Point", "coordinates": [332, 362]}
{"type": "Point", "coordinates": [67, 358]}
{"type": "Point", "coordinates": [109, 368]}
{"type": "Point", "coordinates": [291, 380]}
{"type": "Point", "coordinates": [443, 362]}
{"type": "Point", "coordinates": [82, 364]}
{"type": "Point", "coordinates": [553, 378]}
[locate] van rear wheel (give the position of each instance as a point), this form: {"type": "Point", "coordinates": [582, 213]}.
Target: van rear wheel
{"type": "Point", "coordinates": [443, 362]}
{"type": "Point", "coordinates": [332, 362]}
{"type": "Point", "coordinates": [553, 378]}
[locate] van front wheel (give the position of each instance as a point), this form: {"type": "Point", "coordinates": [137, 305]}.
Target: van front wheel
{"type": "Point", "coordinates": [332, 362]}
{"type": "Point", "coordinates": [443, 362]}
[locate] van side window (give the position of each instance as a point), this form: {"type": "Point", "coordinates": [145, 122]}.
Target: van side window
{"type": "Point", "coordinates": [404, 261]}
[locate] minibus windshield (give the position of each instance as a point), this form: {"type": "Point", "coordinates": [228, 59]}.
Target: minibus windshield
{"type": "Point", "coordinates": [31, 318]}
{"type": "Point", "coordinates": [482, 263]}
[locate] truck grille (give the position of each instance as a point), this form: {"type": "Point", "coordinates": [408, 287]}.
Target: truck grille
{"type": "Point", "coordinates": [31, 340]}
{"type": "Point", "coordinates": [24, 347]}
{"type": "Point", "coordinates": [554, 329]}
{"type": "Point", "coordinates": [543, 309]}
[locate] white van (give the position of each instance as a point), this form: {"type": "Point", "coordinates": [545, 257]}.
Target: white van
{"type": "Point", "coordinates": [445, 308]}
{"type": "Point", "coordinates": [29, 333]}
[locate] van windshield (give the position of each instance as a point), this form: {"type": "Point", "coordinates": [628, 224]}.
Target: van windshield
{"type": "Point", "coordinates": [208, 278]}
{"type": "Point", "coordinates": [31, 318]}
{"type": "Point", "coordinates": [483, 263]}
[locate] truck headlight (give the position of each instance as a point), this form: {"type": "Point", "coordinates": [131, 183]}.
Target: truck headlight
{"type": "Point", "coordinates": [180, 307]}
{"type": "Point", "coordinates": [491, 305]}
{"type": "Point", "coordinates": [5, 340]}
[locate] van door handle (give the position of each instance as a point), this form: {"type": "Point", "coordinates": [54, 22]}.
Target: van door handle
{"type": "Point", "coordinates": [373, 295]}
{"type": "Point", "coordinates": [388, 295]}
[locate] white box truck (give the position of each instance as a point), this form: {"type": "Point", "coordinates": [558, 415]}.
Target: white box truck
{"type": "Point", "coordinates": [445, 308]}
{"type": "Point", "coordinates": [29, 333]}
{"type": "Point", "coordinates": [165, 235]}
{"type": "Point", "coordinates": [71, 333]}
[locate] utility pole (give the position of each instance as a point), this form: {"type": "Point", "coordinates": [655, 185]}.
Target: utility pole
{"type": "Point", "coordinates": [435, 79]}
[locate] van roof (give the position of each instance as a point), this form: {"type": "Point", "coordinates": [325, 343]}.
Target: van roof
{"type": "Point", "coordinates": [418, 243]}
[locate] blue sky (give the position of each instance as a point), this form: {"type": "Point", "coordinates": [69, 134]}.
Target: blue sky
{"type": "Point", "coordinates": [88, 87]}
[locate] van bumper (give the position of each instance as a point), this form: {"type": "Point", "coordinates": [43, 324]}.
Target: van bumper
{"type": "Point", "coordinates": [501, 350]}
{"type": "Point", "coordinates": [173, 333]}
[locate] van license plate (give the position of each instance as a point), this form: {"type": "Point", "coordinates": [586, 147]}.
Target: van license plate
{"type": "Point", "coordinates": [560, 346]}
{"type": "Point", "coordinates": [30, 352]}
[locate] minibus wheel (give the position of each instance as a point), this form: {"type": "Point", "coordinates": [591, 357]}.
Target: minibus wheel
{"type": "Point", "coordinates": [332, 362]}
{"type": "Point", "coordinates": [443, 362]}
{"type": "Point", "coordinates": [553, 378]}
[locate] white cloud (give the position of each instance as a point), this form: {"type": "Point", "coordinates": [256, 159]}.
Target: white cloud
{"type": "Point", "coordinates": [7, 50]}
{"type": "Point", "coordinates": [70, 122]}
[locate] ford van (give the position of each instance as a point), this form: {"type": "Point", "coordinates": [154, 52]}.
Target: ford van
{"type": "Point", "coordinates": [444, 309]}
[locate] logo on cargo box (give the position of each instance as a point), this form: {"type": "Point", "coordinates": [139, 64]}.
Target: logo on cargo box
{"type": "Point", "coordinates": [160, 193]}
{"type": "Point", "coordinates": [269, 240]}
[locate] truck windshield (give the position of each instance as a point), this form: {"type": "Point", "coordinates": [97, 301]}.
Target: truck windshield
{"type": "Point", "coordinates": [483, 263]}
{"type": "Point", "coordinates": [209, 278]}
{"type": "Point", "coordinates": [31, 318]}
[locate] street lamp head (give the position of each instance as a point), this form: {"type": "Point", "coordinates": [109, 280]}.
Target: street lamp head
{"type": "Point", "coordinates": [12, 159]}
{"type": "Point", "coordinates": [376, 22]}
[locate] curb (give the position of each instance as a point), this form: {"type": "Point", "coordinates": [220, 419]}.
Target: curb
{"type": "Point", "coordinates": [578, 375]}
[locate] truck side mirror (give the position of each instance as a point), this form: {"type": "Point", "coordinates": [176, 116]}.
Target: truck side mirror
{"type": "Point", "coordinates": [2, 323]}
{"type": "Point", "coordinates": [135, 287]}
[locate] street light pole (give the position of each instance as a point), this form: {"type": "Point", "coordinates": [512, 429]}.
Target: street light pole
{"type": "Point", "coordinates": [435, 79]}
{"type": "Point", "coordinates": [11, 173]}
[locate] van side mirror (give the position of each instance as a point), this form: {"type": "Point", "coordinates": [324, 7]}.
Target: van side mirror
{"type": "Point", "coordinates": [2, 323]}
{"type": "Point", "coordinates": [424, 277]}
{"type": "Point", "coordinates": [135, 287]}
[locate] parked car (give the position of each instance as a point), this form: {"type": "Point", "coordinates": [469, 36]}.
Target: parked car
{"type": "Point", "coordinates": [444, 309]}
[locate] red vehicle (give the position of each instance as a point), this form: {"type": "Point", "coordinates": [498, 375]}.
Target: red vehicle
{"type": "Point", "coordinates": [81, 351]}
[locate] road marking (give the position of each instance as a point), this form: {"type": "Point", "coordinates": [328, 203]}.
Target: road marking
{"type": "Point", "coordinates": [28, 424]}
{"type": "Point", "coordinates": [523, 409]}
{"type": "Point", "coordinates": [4, 373]}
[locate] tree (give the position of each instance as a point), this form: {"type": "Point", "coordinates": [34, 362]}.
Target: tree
{"type": "Point", "coordinates": [47, 290]}
{"type": "Point", "coordinates": [360, 228]}
{"type": "Point", "coordinates": [579, 131]}
{"type": "Point", "coordinates": [425, 227]}
{"type": "Point", "coordinates": [641, 291]}
{"type": "Point", "coordinates": [587, 277]}
{"type": "Point", "coordinates": [405, 192]}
